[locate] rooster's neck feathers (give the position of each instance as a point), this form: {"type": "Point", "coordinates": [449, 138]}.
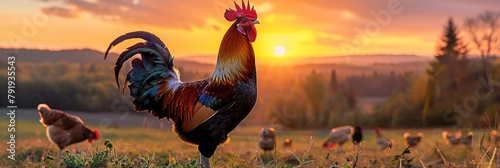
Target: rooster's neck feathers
{"type": "Point", "coordinates": [236, 59]}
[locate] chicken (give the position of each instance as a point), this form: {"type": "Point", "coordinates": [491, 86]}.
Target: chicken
{"type": "Point", "coordinates": [287, 143]}
{"type": "Point", "coordinates": [452, 139]}
{"type": "Point", "coordinates": [340, 135]}
{"type": "Point", "coordinates": [458, 138]}
{"type": "Point", "coordinates": [203, 112]}
{"type": "Point", "coordinates": [267, 139]}
{"type": "Point", "coordinates": [467, 139]}
{"type": "Point", "coordinates": [64, 129]}
{"type": "Point", "coordinates": [267, 142]}
{"type": "Point", "coordinates": [357, 137]}
{"type": "Point", "coordinates": [412, 141]}
{"type": "Point", "coordinates": [383, 142]}
{"type": "Point", "coordinates": [494, 137]}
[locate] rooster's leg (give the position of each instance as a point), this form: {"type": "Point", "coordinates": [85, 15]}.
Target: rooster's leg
{"type": "Point", "coordinates": [59, 152]}
{"type": "Point", "coordinates": [204, 161]}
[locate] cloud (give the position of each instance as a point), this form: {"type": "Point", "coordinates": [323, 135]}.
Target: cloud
{"type": "Point", "coordinates": [265, 7]}
{"type": "Point", "coordinates": [417, 18]}
{"type": "Point", "coordinates": [162, 13]}
{"type": "Point", "coordinates": [328, 41]}
{"type": "Point", "coordinates": [60, 11]}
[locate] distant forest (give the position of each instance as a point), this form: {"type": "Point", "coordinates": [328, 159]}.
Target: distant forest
{"type": "Point", "coordinates": [379, 85]}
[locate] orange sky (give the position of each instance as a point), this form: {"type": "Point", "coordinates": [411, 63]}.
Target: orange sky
{"type": "Point", "coordinates": [194, 27]}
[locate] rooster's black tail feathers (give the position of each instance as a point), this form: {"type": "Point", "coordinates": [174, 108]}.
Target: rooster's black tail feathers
{"type": "Point", "coordinates": [155, 64]}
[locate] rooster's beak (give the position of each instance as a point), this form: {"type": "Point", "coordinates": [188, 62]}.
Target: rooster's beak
{"type": "Point", "coordinates": [256, 22]}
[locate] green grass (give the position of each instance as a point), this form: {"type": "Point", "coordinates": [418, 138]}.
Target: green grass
{"type": "Point", "coordinates": [140, 147]}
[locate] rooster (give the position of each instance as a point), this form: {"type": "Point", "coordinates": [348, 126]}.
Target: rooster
{"type": "Point", "coordinates": [458, 138]}
{"type": "Point", "coordinates": [340, 135]}
{"type": "Point", "coordinates": [203, 112]}
{"type": "Point", "coordinates": [64, 129]}
{"type": "Point", "coordinates": [412, 141]}
{"type": "Point", "coordinates": [383, 142]}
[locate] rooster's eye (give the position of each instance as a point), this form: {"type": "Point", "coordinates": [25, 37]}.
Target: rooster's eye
{"type": "Point", "coordinates": [243, 21]}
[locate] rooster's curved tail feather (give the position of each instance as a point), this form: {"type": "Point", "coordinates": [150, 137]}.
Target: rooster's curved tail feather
{"type": "Point", "coordinates": [155, 66]}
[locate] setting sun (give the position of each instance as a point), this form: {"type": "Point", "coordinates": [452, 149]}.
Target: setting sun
{"type": "Point", "coordinates": [279, 51]}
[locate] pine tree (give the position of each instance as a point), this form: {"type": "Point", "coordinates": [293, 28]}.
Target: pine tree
{"type": "Point", "coordinates": [451, 48]}
{"type": "Point", "coordinates": [449, 61]}
{"type": "Point", "coordinates": [447, 71]}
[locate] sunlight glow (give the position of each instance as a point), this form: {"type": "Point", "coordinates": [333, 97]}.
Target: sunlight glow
{"type": "Point", "coordinates": [347, 14]}
{"type": "Point", "coordinates": [279, 51]}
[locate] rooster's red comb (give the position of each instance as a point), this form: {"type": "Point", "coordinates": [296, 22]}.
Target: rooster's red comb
{"type": "Point", "coordinates": [231, 14]}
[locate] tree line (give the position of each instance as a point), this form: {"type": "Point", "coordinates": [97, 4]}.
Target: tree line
{"type": "Point", "coordinates": [316, 101]}
{"type": "Point", "coordinates": [458, 89]}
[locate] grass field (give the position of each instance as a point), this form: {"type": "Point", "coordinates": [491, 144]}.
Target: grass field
{"type": "Point", "coordinates": [140, 147]}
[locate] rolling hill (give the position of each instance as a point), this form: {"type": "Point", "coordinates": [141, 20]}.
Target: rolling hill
{"type": "Point", "coordinates": [94, 56]}
{"type": "Point", "coordinates": [344, 65]}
